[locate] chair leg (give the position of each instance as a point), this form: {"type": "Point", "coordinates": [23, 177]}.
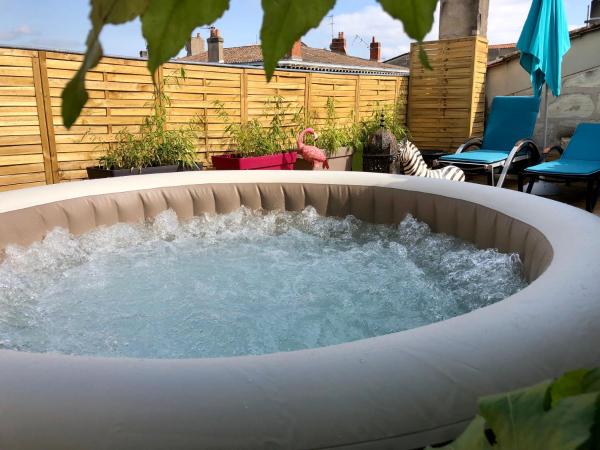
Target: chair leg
{"type": "Point", "coordinates": [490, 176]}
{"type": "Point", "coordinates": [520, 181]}
{"type": "Point", "coordinates": [592, 194]}
{"type": "Point", "coordinates": [531, 183]}
{"type": "Point", "coordinates": [589, 195]}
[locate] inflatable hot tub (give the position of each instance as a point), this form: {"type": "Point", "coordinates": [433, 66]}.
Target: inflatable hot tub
{"type": "Point", "coordinates": [403, 390]}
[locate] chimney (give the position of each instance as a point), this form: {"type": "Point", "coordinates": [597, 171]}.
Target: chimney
{"type": "Point", "coordinates": [460, 18]}
{"type": "Point", "coordinates": [375, 48]}
{"type": "Point", "coordinates": [194, 45]}
{"type": "Point", "coordinates": [338, 44]}
{"type": "Point", "coordinates": [295, 54]}
{"type": "Point", "coordinates": [215, 46]}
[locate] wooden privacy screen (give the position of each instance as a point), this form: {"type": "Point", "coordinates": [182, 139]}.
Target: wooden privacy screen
{"type": "Point", "coordinates": [24, 148]}
{"type": "Point", "coordinates": [447, 104]}
{"type": "Point", "coordinates": [36, 149]}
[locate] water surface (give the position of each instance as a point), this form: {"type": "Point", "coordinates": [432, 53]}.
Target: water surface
{"type": "Point", "coordinates": [241, 283]}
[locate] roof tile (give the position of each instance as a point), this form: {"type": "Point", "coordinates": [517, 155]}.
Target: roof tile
{"type": "Point", "coordinates": [252, 54]}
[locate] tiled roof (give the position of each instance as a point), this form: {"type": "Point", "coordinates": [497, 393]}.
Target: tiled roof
{"type": "Point", "coordinates": [252, 54]}
{"type": "Point", "coordinates": [247, 54]}
{"type": "Point", "coordinates": [491, 46]}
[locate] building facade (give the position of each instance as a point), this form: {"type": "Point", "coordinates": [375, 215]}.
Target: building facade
{"type": "Point", "coordinates": [580, 93]}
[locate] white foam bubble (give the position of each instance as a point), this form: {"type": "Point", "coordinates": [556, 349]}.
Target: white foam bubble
{"type": "Point", "coordinates": [248, 282]}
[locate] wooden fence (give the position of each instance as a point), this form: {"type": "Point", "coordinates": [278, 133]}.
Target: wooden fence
{"type": "Point", "coordinates": [447, 104]}
{"type": "Point", "coordinates": [36, 149]}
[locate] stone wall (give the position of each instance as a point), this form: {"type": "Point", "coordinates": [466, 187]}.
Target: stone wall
{"type": "Point", "coordinates": [580, 95]}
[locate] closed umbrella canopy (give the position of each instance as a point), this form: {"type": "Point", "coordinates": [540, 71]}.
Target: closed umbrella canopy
{"type": "Point", "coordinates": [543, 43]}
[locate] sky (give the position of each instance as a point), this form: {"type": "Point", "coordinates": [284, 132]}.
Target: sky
{"type": "Point", "coordinates": [63, 24]}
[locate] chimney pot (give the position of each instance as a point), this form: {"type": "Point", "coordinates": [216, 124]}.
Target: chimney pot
{"type": "Point", "coordinates": [195, 45]}
{"type": "Point", "coordinates": [338, 45]}
{"type": "Point", "coordinates": [215, 47]}
{"type": "Point", "coordinates": [375, 50]}
{"type": "Point", "coordinates": [295, 52]}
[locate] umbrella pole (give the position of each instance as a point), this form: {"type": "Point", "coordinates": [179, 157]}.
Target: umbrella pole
{"type": "Point", "coordinates": [545, 116]}
{"type": "Point", "coordinates": [544, 187]}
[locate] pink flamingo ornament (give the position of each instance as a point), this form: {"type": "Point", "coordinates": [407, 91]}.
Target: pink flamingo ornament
{"type": "Point", "coordinates": [310, 153]}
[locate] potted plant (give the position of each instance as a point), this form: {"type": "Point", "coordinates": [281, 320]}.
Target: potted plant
{"type": "Point", "coordinates": [155, 149]}
{"type": "Point", "coordinates": [256, 147]}
{"type": "Point", "coordinates": [338, 141]}
{"type": "Point", "coordinates": [394, 122]}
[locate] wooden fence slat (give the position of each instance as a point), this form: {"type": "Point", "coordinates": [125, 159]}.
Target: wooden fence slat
{"type": "Point", "coordinates": [48, 119]}
{"type": "Point", "coordinates": [244, 85]}
{"type": "Point", "coordinates": [444, 103]}
{"type": "Point", "coordinates": [36, 148]}
{"type": "Point", "coordinates": [43, 124]}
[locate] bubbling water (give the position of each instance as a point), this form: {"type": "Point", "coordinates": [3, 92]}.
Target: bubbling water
{"type": "Point", "coordinates": [248, 282]}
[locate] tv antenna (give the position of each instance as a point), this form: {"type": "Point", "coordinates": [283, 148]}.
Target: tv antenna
{"type": "Point", "coordinates": [331, 24]}
{"type": "Point", "coordinates": [361, 40]}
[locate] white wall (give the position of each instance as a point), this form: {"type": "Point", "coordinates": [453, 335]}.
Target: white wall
{"type": "Point", "coordinates": [580, 94]}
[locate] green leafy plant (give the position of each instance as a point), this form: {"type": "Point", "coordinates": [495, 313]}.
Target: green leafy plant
{"type": "Point", "coordinates": [394, 121]}
{"type": "Point", "coordinates": [561, 414]}
{"type": "Point", "coordinates": [167, 24]}
{"type": "Point", "coordinates": [155, 144]}
{"type": "Point", "coordinates": [332, 135]}
{"type": "Point", "coordinates": [253, 139]}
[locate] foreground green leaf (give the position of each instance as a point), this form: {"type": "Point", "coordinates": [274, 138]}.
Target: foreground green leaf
{"type": "Point", "coordinates": [554, 415]}
{"type": "Point", "coordinates": [520, 419]}
{"type": "Point", "coordinates": [424, 58]}
{"type": "Point", "coordinates": [286, 21]}
{"type": "Point", "coordinates": [579, 382]}
{"type": "Point", "coordinates": [168, 24]}
{"type": "Point", "coordinates": [582, 381]}
{"type": "Point", "coordinates": [103, 12]}
{"type": "Point", "coordinates": [415, 15]}
{"type": "Point", "coordinates": [473, 438]}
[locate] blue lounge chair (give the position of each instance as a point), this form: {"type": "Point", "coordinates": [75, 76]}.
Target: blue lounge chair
{"type": "Point", "coordinates": [579, 161]}
{"type": "Point", "coordinates": [507, 142]}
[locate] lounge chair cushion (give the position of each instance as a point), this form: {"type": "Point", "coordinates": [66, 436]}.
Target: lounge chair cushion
{"type": "Point", "coordinates": [476, 157]}
{"type": "Point", "coordinates": [511, 119]}
{"type": "Point", "coordinates": [581, 157]}
{"type": "Point", "coordinates": [585, 143]}
{"type": "Point", "coordinates": [562, 166]}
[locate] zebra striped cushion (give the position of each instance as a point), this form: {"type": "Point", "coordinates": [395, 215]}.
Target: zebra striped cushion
{"type": "Point", "coordinates": [413, 164]}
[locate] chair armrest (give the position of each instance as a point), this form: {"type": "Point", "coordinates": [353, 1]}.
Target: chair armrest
{"type": "Point", "coordinates": [524, 143]}
{"type": "Point", "coordinates": [520, 145]}
{"type": "Point", "coordinates": [472, 142]}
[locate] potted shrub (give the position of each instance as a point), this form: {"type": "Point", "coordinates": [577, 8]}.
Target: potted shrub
{"type": "Point", "coordinates": [256, 147]}
{"type": "Point", "coordinates": [155, 149]}
{"type": "Point", "coordinates": [338, 141]}
{"type": "Point", "coordinates": [394, 121]}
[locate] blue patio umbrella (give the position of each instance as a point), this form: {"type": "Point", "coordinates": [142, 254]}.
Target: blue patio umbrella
{"type": "Point", "coordinates": [543, 43]}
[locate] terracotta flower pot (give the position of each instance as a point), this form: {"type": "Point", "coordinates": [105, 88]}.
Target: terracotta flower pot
{"type": "Point", "coordinates": [341, 160]}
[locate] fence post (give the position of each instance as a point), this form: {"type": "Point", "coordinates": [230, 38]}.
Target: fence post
{"type": "Point", "coordinates": [244, 96]}
{"type": "Point", "coordinates": [44, 109]}
{"type": "Point", "coordinates": [307, 82]}
{"type": "Point", "coordinates": [357, 100]}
